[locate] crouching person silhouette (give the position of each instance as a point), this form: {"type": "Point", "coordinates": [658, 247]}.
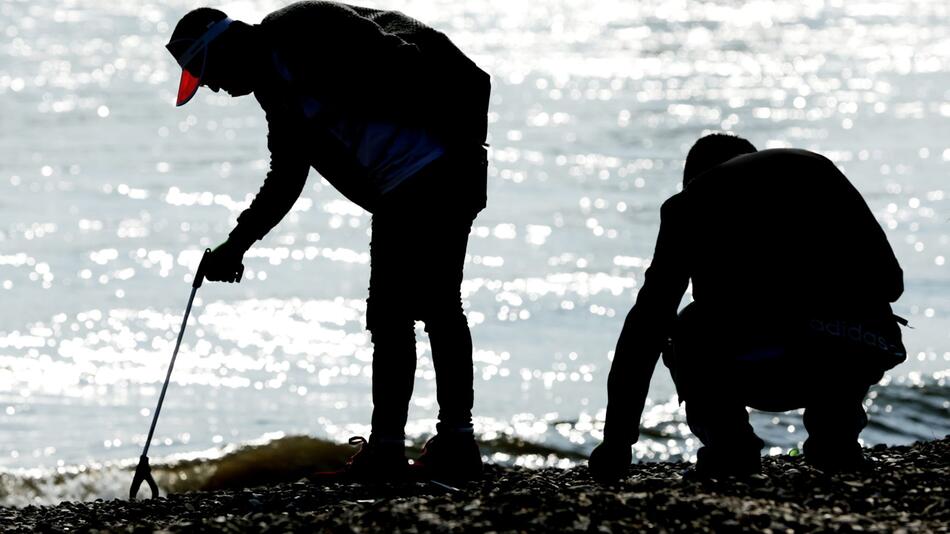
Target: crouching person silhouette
{"type": "Point", "coordinates": [792, 284]}
{"type": "Point", "coordinates": [395, 117]}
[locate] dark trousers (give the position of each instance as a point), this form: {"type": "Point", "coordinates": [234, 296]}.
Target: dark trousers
{"type": "Point", "coordinates": [721, 367]}
{"type": "Point", "coordinates": [417, 251]}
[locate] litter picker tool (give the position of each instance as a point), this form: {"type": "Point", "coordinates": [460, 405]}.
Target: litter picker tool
{"type": "Point", "coordinates": [143, 472]}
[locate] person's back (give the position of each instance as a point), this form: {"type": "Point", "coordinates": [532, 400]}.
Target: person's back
{"type": "Point", "coordinates": [784, 227]}
{"type": "Point", "coordinates": [792, 279]}
{"type": "Point", "coordinates": [384, 64]}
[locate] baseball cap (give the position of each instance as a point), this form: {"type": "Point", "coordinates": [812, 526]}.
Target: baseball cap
{"type": "Point", "coordinates": [189, 45]}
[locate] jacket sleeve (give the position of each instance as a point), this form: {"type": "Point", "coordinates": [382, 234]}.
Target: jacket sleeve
{"type": "Point", "coordinates": [647, 328]}
{"type": "Point", "coordinates": [285, 180]}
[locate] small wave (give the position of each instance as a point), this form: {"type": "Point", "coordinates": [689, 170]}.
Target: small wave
{"type": "Point", "coordinates": [269, 462]}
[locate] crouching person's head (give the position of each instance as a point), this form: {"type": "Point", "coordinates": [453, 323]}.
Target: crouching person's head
{"type": "Point", "coordinates": [711, 150]}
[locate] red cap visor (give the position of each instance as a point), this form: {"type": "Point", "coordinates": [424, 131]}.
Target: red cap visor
{"type": "Point", "coordinates": [187, 87]}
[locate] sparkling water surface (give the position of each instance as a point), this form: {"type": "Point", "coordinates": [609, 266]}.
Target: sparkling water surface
{"type": "Point", "coordinates": [108, 195]}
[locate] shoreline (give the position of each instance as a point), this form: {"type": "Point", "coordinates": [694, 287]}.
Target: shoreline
{"type": "Point", "coordinates": [906, 490]}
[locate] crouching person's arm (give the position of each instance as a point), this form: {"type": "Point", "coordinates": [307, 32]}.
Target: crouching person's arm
{"type": "Point", "coordinates": [644, 335]}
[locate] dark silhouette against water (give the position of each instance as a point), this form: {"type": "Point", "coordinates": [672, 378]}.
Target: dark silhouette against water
{"type": "Point", "coordinates": [792, 282]}
{"type": "Point", "coordinates": [395, 117]}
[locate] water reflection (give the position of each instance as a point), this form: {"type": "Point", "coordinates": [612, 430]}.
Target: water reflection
{"type": "Point", "coordinates": [111, 195]}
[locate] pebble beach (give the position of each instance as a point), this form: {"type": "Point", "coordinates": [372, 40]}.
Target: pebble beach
{"type": "Point", "coordinates": [906, 490]}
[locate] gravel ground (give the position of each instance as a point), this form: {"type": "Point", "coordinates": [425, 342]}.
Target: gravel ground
{"type": "Point", "coordinates": [906, 491]}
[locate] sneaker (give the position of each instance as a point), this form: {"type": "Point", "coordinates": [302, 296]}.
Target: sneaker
{"type": "Point", "coordinates": [370, 463]}
{"type": "Point", "coordinates": [835, 456]}
{"type": "Point", "coordinates": [450, 458]}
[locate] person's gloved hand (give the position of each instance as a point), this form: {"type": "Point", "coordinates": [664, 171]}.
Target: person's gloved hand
{"type": "Point", "coordinates": [609, 462]}
{"type": "Point", "coordinates": [223, 264]}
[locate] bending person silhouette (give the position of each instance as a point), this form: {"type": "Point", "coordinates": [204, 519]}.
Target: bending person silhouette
{"type": "Point", "coordinates": [792, 279]}
{"type": "Point", "coordinates": [394, 116]}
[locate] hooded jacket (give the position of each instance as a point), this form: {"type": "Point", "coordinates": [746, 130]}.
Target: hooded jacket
{"type": "Point", "coordinates": [766, 238]}
{"type": "Point", "coordinates": [365, 66]}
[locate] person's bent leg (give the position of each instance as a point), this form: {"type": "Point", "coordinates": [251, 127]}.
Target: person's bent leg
{"type": "Point", "coordinates": [447, 326]}
{"type": "Point", "coordinates": [730, 446]}
{"type": "Point", "coordinates": [390, 323]}
{"type": "Point", "coordinates": [383, 457]}
{"type": "Point", "coordinates": [715, 412]}
{"type": "Point", "coordinates": [389, 319]}
{"type": "Point", "coordinates": [833, 423]}
{"type": "Point", "coordinates": [453, 453]}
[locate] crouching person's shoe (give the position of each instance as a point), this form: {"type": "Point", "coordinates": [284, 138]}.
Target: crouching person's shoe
{"type": "Point", "coordinates": [843, 459]}
{"type": "Point", "coordinates": [609, 462]}
{"type": "Point", "coordinates": [449, 457]}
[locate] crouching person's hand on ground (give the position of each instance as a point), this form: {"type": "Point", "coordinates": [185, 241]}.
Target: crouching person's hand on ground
{"type": "Point", "coordinates": [609, 461]}
{"type": "Point", "coordinates": [224, 263]}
